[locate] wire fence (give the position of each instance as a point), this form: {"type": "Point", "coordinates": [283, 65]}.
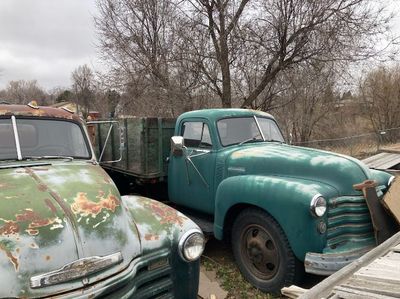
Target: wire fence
{"type": "Point", "coordinates": [359, 146]}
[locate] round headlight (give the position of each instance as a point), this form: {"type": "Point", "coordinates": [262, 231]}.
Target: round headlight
{"type": "Point", "coordinates": [318, 206]}
{"type": "Point", "coordinates": [191, 245]}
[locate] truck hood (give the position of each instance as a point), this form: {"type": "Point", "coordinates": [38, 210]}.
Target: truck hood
{"type": "Point", "coordinates": [57, 213]}
{"type": "Point", "coordinates": [339, 171]}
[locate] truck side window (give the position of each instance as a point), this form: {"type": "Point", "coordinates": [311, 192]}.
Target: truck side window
{"type": "Point", "coordinates": [196, 134]}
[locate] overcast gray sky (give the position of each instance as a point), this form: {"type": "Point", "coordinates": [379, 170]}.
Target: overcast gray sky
{"type": "Point", "coordinates": [47, 39]}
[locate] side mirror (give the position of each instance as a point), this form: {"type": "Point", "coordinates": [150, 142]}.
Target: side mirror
{"type": "Point", "coordinates": [177, 145]}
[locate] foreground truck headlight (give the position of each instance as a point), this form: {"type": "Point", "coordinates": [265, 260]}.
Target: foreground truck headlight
{"type": "Point", "coordinates": [191, 245]}
{"type": "Point", "coordinates": [318, 206]}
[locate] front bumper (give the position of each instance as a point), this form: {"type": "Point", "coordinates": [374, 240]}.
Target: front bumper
{"type": "Point", "coordinates": [328, 263]}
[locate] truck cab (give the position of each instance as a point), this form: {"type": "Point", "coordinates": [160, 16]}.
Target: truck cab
{"type": "Point", "coordinates": [65, 230]}
{"type": "Point", "coordinates": [284, 208]}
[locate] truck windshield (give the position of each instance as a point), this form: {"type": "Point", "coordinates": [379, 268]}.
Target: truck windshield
{"type": "Point", "coordinates": [42, 138]}
{"type": "Point", "coordinates": [241, 130]}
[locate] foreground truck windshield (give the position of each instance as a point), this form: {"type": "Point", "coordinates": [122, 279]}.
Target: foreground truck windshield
{"type": "Point", "coordinates": [65, 230]}
{"type": "Point", "coordinates": [41, 138]}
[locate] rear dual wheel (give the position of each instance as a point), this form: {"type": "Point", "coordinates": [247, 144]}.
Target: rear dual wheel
{"type": "Point", "coordinates": [262, 251]}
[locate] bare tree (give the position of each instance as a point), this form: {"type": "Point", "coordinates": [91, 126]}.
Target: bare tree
{"type": "Point", "coordinates": [83, 88]}
{"type": "Point", "coordinates": [140, 40]}
{"type": "Point", "coordinates": [380, 92]}
{"type": "Point", "coordinates": [174, 50]}
{"type": "Point", "coordinates": [308, 99]}
{"type": "Point", "coordinates": [22, 92]}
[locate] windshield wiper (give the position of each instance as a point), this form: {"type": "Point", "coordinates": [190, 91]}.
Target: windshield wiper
{"type": "Point", "coordinates": [254, 139]}
{"type": "Point", "coordinates": [274, 140]}
{"type": "Point", "coordinates": [47, 157]}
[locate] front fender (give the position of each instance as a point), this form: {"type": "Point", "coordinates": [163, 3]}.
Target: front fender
{"type": "Point", "coordinates": [284, 198]}
{"type": "Point", "coordinates": [158, 224]}
{"type": "Point", "coordinates": [161, 226]}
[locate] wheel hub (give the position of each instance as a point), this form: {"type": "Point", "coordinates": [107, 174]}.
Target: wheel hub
{"type": "Point", "coordinates": [260, 252]}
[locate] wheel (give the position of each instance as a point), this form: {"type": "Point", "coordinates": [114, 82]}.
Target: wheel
{"type": "Point", "coordinates": [262, 251]}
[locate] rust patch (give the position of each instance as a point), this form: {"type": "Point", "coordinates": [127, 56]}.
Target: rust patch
{"type": "Point", "coordinates": [28, 215]}
{"type": "Point", "coordinates": [3, 186]}
{"type": "Point", "coordinates": [50, 205]}
{"type": "Point", "coordinates": [9, 228]}
{"type": "Point", "coordinates": [40, 168]}
{"type": "Point", "coordinates": [32, 232]}
{"type": "Point", "coordinates": [85, 207]}
{"type": "Point", "coordinates": [167, 214]}
{"type": "Point", "coordinates": [33, 246]}
{"type": "Point", "coordinates": [35, 221]}
{"type": "Point", "coordinates": [24, 110]}
{"type": "Point", "coordinates": [42, 187]}
{"type": "Point", "coordinates": [13, 259]}
{"type": "Point", "coordinates": [151, 237]}
{"type": "Point", "coordinates": [42, 222]}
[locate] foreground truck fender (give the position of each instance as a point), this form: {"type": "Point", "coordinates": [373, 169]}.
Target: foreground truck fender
{"type": "Point", "coordinates": [65, 231]}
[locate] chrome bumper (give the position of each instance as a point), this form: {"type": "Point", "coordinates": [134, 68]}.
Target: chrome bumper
{"type": "Point", "coordinates": [328, 263]}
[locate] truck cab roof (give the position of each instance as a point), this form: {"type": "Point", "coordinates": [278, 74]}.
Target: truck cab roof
{"type": "Point", "coordinates": [215, 114]}
{"type": "Point", "coordinates": [32, 110]}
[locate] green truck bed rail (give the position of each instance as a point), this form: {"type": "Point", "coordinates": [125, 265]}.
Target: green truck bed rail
{"type": "Point", "coordinates": [145, 143]}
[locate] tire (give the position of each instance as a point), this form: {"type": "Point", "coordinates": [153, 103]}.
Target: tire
{"type": "Point", "coordinates": [262, 251]}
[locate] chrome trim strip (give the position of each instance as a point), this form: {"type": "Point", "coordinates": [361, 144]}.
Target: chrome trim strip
{"type": "Point", "coordinates": [17, 144]}
{"type": "Point", "coordinates": [77, 269]}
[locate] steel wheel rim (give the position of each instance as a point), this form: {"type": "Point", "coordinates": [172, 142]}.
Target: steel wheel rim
{"type": "Point", "coordinates": [260, 252]}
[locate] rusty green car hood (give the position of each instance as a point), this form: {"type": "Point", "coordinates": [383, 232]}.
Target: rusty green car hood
{"type": "Point", "coordinates": [53, 214]}
{"type": "Point", "coordinates": [338, 171]}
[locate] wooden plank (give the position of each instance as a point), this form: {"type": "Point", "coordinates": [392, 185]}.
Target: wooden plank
{"type": "Point", "coordinates": [393, 256]}
{"type": "Point", "coordinates": [383, 160]}
{"type": "Point", "coordinates": [387, 265]}
{"type": "Point", "coordinates": [391, 200]}
{"type": "Point", "coordinates": [348, 293]}
{"type": "Point", "coordinates": [391, 149]}
{"type": "Point", "coordinates": [378, 275]}
{"type": "Point", "coordinates": [380, 287]}
{"type": "Point", "coordinates": [325, 288]}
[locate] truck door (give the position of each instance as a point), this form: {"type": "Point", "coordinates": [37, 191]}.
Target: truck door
{"type": "Point", "coordinates": [191, 176]}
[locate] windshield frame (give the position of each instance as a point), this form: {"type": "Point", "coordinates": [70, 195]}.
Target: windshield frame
{"type": "Point", "coordinates": [20, 157]}
{"type": "Point", "coordinates": [255, 117]}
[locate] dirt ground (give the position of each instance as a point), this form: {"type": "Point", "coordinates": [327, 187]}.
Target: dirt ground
{"type": "Point", "coordinates": [218, 263]}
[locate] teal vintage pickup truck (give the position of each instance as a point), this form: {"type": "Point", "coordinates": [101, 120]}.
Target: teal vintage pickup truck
{"type": "Point", "coordinates": [282, 207]}
{"type": "Point", "coordinates": [65, 231]}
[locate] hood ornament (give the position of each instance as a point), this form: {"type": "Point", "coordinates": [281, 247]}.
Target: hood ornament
{"type": "Point", "coordinates": [77, 269]}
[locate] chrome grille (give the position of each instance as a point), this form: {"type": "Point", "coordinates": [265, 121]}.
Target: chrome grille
{"type": "Point", "coordinates": [154, 283]}
{"type": "Point", "coordinates": [152, 280]}
{"type": "Point", "coordinates": [349, 220]}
